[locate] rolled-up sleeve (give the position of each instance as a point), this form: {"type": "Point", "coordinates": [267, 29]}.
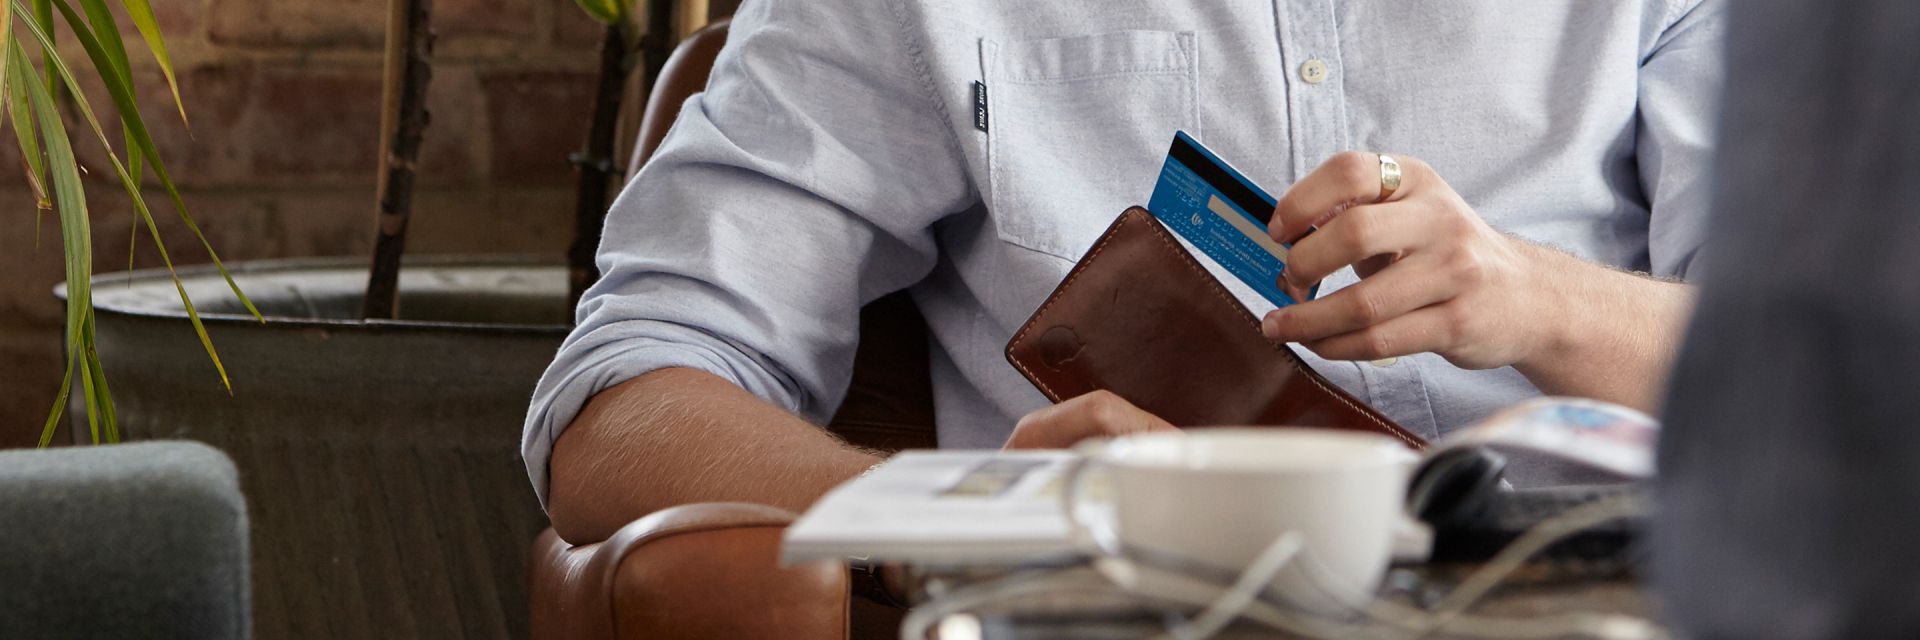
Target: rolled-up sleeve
{"type": "Point", "coordinates": [802, 184]}
{"type": "Point", "coordinates": [1680, 83]}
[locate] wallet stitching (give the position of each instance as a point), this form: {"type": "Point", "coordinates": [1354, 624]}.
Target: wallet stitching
{"type": "Point", "coordinates": [1055, 297]}
{"type": "Point", "coordinates": [1292, 359]}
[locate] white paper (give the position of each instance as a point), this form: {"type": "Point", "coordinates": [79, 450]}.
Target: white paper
{"type": "Point", "coordinates": [941, 506]}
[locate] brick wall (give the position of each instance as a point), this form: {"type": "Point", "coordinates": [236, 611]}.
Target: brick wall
{"type": "Point", "coordinates": [280, 162]}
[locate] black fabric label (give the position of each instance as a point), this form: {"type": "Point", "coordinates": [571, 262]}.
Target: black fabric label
{"type": "Point", "coordinates": [980, 105]}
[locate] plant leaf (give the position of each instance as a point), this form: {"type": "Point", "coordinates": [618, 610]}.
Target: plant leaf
{"type": "Point", "coordinates": [107, 29]}
{"type": "Point", "coordinates": [59, 401]}
{"type": "Point", "coordinates": [93, 408]}
{"type": "Point", "coordinates": [606, 11]}
{"type": "Point", "coordinates": [102, 400]}
{"type": "Point", "coordinates": [142, 15]}
{"type": "Point", "coordinates": [72, 208]}
{"type": "Point", "coordinates": [130, 116]}
{"type": "Point", "coordinates": [23, 127]}
{"type": "Point", "coordinates": [42, 15]}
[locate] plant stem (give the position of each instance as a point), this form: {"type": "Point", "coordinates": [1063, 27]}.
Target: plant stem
{"type": "Point", "coordinates": [403, 121]}
{"type": "Point", "coordinates": [596, 166]}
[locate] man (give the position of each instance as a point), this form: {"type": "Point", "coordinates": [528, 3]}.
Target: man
{"type": "Point", "coordinates": [836, 157]}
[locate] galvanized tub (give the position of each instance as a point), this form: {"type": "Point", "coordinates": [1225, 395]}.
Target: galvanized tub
{"type": "Point", "coordinates": [380, 460]}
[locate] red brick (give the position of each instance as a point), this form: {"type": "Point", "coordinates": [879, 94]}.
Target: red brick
{"type": "Point", "coordinates": [322, 23]}
{"type": "Point", "coordinates": [177, 18]}
{"type": "Point", "coordinates": [316, 123]}
{"type": "Point", "coordinates": [456, 134]}
{"type": "Point", "coordinates": [573, 29]}
{"type": "Point", "coordinates": [305, 222]}
{"type": "Point", "coordinates": [536, 119]}
{"type": "Point", "coordinates": [235, 225]}
{"type": "Point", "coordinates": [215, 95]}
{"type": "Point", "coordinates": [310, 124]}
{"type": "Point", "coordinates": [30, 367]}
{"type": "Point", "coordinates": [179, 21]}
{"type": "Point", "coordinates": [32, 264]}
{"type": "Point", "coordinates": [498, 221]}
{"type": "Point", "coordinates": [456, 19]}
{"type": "Point", "coordinates": [202, 150]}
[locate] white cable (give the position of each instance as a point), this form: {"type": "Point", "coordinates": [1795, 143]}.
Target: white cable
{"type": "Point", "coordinates": [1382, 618]}
{"type": "Point", "coordinates": [1535, 540]}
{"type": "Point", "coordinates": [1229, 605]}
{"type": "Point", "coordinates": [1450, 614]}
{"type": "Point", "coordinates": [922, 619]}
{"type": "Point", "coordinates": [1393, 620]}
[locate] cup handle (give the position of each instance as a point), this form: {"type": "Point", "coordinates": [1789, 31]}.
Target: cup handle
{"type": "Point", "coordinates": [1096, 532]}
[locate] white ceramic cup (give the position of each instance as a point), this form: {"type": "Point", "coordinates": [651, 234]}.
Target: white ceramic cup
{"type": "Point", "coordinates": [1214, 499]}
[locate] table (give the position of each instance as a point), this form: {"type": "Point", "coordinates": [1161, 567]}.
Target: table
{"type": "Point", "coordinates": [1077, 602]}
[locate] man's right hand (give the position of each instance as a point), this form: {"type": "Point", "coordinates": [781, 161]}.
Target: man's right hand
{"type": "Point", "coordinates": [1099, 414]}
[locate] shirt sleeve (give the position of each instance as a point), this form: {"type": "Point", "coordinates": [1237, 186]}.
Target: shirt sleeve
{"type": "Point", "coordinates": [802, 184]}
{"type": "Point", "coordinates": [1680, 82]}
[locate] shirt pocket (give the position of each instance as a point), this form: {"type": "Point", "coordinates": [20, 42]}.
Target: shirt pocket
{"type": "Point", "coordinates": [1078, 128]}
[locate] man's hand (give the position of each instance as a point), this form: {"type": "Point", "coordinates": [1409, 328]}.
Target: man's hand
{"type": "Point", "coordinates": [1436, 278]}
{"type": "Point", "coordinates": [1099, 414]}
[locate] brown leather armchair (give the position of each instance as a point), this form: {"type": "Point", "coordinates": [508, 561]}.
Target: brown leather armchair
{"type": "Point", "coordinates": [710, 570]}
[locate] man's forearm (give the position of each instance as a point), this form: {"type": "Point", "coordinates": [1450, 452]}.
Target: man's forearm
{"type": "Point", "coordinates": [679, 436]}
{"type": "Point", "coordinates": [1611, 335]}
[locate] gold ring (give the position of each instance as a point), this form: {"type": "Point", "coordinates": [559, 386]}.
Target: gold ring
{"type": "Point", "coordinates": [1389, 176]}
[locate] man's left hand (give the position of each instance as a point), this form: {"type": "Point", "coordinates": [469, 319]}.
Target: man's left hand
{"type": "Point", "coordinates": [1435, 277]}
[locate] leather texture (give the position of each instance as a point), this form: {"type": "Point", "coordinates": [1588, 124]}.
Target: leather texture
{"type": "Point", "coordinates": [694, 571]}
{"type": "Point", "coordinates": [1140, 317]}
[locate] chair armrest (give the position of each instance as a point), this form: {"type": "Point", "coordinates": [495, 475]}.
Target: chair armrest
{"type": "Point", "coordinates": [144, 540]}
{"type": "Point", "coordinates": [692, 571]}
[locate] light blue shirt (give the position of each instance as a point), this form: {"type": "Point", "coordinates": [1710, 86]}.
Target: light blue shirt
{"type": "Point", "coordinates": [834, 158]}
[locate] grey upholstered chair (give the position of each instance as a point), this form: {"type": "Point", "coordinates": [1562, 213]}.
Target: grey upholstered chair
{"type": "Point", "coordinates": [126, 541]}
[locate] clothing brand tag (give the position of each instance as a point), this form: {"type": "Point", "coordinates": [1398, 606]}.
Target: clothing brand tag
{"type": "Point", "coordinates": [980, 105]}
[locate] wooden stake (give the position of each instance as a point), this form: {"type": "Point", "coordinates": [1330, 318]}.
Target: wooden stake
{"type": "Point", "coordinates": [402, 122]}
{"type": "Point", "coordinates": [596, 166]}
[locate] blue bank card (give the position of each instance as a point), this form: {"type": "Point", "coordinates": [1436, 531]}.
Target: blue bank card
{"type": "Point", "coordinates": [1213, 206]}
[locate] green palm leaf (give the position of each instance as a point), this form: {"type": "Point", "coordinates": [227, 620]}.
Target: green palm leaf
{"type": "Point", "coordinates": [142, 15]}
{"type": "Point", "coordinates": [606, 11]}
{"type": "Point", "coordinates": [130, 115]}
{"type": "Point", "coordinates": [75, 232]}
{"type": "Point", "coordinates": [55, 173]}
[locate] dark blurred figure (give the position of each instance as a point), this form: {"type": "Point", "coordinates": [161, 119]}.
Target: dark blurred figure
{"type": "Point", "coordinates": [1790, 486]}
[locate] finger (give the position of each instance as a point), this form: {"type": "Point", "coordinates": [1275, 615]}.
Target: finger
{"type": "Point", "coordinates": [1112, 415]}
{"type": "Point", "coordinates": [1358, 234]}
{"type": "Point", "coordinates": [1347, 179]}
{"type": "Point", "coordinates": [1397, 291]}
{"type": "Point", "coordinates": [1092, 415]}
{"type": "Point", "coordinates": [1053, 427]}
{"type": "Point", "coordinates": [1430, 329]}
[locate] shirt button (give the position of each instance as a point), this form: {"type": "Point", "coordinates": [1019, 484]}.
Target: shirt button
{"type": "Point", "coordinates": [1313, 71]}
{"type": "Point", "coordinates": [1385, 362]}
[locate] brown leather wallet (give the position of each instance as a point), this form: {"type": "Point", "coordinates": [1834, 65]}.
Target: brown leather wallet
{"type": "Point", "coordinates": [1139, 317]}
